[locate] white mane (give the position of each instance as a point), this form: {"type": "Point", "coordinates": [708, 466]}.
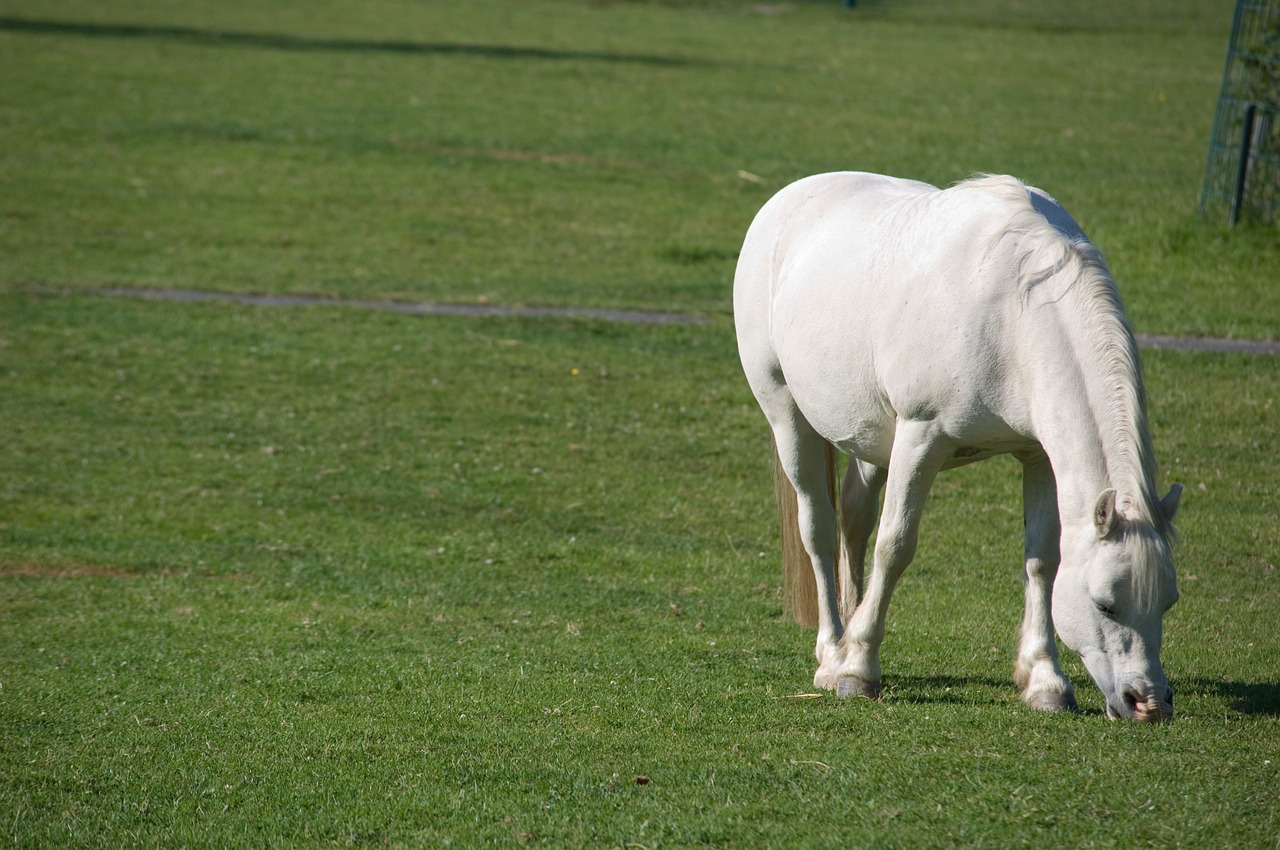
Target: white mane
{"type": "Point", "coordinates": [1083, 282]}
{"type": "Point", "coordinates": [1078, 268]}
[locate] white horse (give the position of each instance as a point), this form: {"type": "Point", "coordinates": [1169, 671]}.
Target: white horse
{"type": "Point", "coordinates": [919, 329]}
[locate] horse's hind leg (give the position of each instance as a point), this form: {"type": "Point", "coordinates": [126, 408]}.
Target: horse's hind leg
{"type": "Point", "coordinates": [802, 455]}
{"type": "Point", "coordinates": [859, 500]}
{"type": "Point", "coordinates": [1036, 671]}
{"type": "Point", "coordinates": [919, 452]}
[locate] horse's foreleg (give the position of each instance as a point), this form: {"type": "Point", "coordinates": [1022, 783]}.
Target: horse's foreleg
{"type": "Point", "coordinates": [859, 497]}
{"type": "Point", "coordinates": [1036, 671]}
{"type": "Point", "coordinates": [919, 451]}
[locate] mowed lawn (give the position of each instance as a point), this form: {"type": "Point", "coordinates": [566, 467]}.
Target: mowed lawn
{"type": "Point", "coordinates": [323, 576]}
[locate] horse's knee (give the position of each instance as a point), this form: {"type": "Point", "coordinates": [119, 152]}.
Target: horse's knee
{"type": "Point", "coordinates": [895, 550]}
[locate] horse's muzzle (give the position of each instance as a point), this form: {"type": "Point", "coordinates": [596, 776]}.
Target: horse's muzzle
{"type": "Point", "coordinates": [1145, 709]}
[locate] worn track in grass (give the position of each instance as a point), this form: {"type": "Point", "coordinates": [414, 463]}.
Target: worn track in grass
{"type": "Point", "coordinates": [651, 317]}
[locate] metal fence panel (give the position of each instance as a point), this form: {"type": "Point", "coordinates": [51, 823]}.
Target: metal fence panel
{"type": "Point", "coordinates": [1242, 176]}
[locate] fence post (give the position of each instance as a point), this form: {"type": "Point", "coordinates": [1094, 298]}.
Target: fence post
{"type": "Point", "coordinates": [1242, 167]}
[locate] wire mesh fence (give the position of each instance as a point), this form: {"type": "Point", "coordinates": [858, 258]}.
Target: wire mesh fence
{"type": "Point", "coordinates": [1242, 176]}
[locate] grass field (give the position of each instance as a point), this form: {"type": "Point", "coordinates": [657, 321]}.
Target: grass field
{"type": "Point", "coordinates": [574, 152]}
{"type": "Point", "coordinates": [319, 576]}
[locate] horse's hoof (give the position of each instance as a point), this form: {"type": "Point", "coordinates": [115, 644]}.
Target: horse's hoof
{"type": "Point", "coordinates": [1053, 701]}
{"type": "Point", "coordinates": [824, 680]}
{"type": "Point", "coordinates": [850, 687]}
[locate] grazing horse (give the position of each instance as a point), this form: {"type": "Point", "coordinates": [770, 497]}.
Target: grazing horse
{"type": "Point", "coordinates": [918, 329]}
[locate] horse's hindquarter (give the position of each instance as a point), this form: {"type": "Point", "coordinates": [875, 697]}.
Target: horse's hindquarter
{"type": "Point", "coordinates": [889, 305]}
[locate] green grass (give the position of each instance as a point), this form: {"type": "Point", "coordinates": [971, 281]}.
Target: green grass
{"type": "Point", "coordinates": [558, 152]}
{"type": "Point", "coordinates": [309, 576]}
{"type": "Point", "coordinates": [328, 577]}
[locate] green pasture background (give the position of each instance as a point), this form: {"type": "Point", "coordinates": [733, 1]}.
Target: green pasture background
{"type": "Point", "coordinates": [324, 576]}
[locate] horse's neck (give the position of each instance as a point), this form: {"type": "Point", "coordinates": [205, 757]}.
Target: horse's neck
{"type": "Point", "coordinates": [1090, 415]}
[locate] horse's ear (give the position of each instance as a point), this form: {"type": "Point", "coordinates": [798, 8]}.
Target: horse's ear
{"type": "Point", "coordinates": [1169, 504]}
{"type": "Point", "coordinates": [1105, 516]}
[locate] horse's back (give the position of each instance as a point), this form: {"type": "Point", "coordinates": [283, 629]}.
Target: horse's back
{"type": "Point", "coordinates": [874, 299]}
{"type": "Point", "coordinates": [782, 259]}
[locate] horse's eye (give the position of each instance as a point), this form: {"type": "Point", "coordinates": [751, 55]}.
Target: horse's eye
{"type": "Point", "coordinates": [1106, 610]}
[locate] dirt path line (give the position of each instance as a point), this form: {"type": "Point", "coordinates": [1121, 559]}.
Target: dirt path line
{"type": "Point", "coordinates": [645, 317]}
{"type": "Point", "coordinates": [417, 308]}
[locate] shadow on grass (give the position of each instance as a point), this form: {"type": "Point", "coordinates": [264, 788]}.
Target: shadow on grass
{"type": "Point", "coordinates": [1260, 698]}
{"type": "Point", "coordinates": [278, 41]}
{"type": "Point", "coordinates": [1254, 698]}
{"type": "Point", "coordinates": [954, 690]}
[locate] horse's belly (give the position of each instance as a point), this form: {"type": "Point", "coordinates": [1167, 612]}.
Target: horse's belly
{"type": "Point", "coordinates": [855, 393]}
{"type": "Point", "coordinates": [871, 439]}
{"type": "Point", "coordinates": [871, 447]}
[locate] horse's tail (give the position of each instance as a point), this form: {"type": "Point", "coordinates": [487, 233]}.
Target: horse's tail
{"type": "Point", "coordinates": [799, 587]}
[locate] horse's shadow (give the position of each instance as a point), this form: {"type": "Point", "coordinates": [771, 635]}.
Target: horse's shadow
{"type": "Point", "coordinates": [1258, 698]}
{"type": "Point", "coordinates": [959, 690]}
{"type": "Point", "coordinates": [1253, 698]}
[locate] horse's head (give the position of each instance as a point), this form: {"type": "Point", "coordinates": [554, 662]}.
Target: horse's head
{"type": "Point", "coordinates": [1109, 600]}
